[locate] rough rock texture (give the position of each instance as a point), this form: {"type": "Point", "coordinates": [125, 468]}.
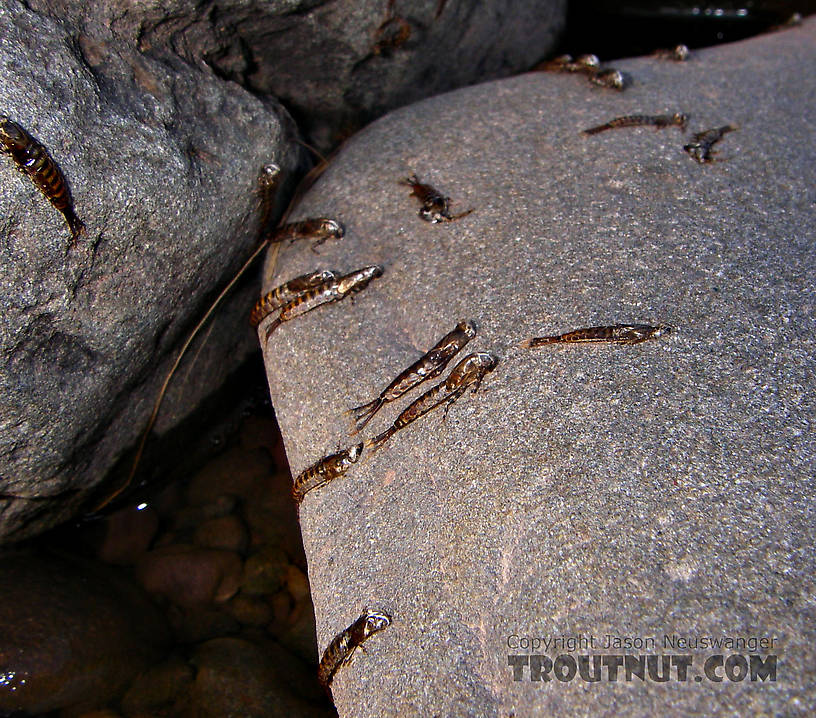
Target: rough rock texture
{"type": "Point", "coordinates": [337, 63]}
{"type": "Point", "coordinates": [664, 488]}
{"type": "Point", "coordinates": [73, 633]}
{"type": "Point", "coordinates": [162, 159]}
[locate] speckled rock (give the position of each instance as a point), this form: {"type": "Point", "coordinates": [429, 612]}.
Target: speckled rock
{"type": "Point", "coordinates": [633, 491]}
{"type": "Point", "coordinates": [239, 678]}
{"type": "Point", "coordinates": [162, 158]}
{"type": "Point", "coordinates": [335, 62]}
{"type": "Point", "coordinates": [73, 633]}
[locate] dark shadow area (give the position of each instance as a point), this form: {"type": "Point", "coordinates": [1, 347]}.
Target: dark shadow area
{"type": "Point", "coordinates": [624, 28]}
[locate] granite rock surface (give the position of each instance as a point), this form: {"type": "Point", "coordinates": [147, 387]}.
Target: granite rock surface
{"type": "Point", "coordinates": [661, 489]}
{"type": "Point", "coordinates": [336, 64]}
{"type": "Point", "coordinates": [162, 158]}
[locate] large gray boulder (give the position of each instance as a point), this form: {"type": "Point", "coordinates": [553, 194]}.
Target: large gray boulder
{"type": "Point", "coordinates": [338, 63]}
{"type": "Point", "coordinates": [162, 159]}
{"type": "Point", "coordinates": [662, 489]}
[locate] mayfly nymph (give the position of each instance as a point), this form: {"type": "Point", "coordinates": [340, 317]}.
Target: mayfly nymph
{"type": "Point", "coordinates": [286, 292]}
{"type": "Point", "coordinates": [32, 159]}
{"type": "Point", "coordinates": [428, 366]}
{"type": "Point", "coordinates": [327, 469]}
{"type": "Point", "coordinates": [615, 334]}
{"type": "Point", "coordinates": [468, 372]}
{"type": "Point", "coordinates": [339, 652]}
{"type": "Point", "coordinates": [678, 119]}
{"type": "Point", "coordinates": [435, 206]}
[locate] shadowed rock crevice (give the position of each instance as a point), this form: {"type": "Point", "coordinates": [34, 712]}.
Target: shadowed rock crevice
{"type": "Point", "coordinates": [333, 63]}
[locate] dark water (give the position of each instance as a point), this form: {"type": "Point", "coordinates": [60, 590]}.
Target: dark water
{"type": "Point", "coordinates": [624, 28]}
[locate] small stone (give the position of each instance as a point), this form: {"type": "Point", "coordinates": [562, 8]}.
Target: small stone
{"type": "Point", "coordinates": [190, 576]}
{"type": "Point", "coordinates": [260, 432]}
{"type": "Point", "coordinates": [74, 633]}
{"type": "Point", "coordinates": [300, 637]}
{"type": "Point", "coordinates": [250, 611]}
{"type": "Point", "coordinates": [297, 584]}
{"type": "Point", "coordinates": [264, 572]}
{"type": "Point", "coordinates": [236, 472]}
{"type": "Point", "coordinates": [225, 532]}
{"type": "Point", "coordinates": [271, 515]}
{"type": "Point", "coordinates": [236, 677]}
{"type": "Point", "coordinates": [128, 534]}
{"type": "Point", "coordinates": [157, 687]}
{"type": "Point", "coordinates": [192, 516]}
{"type": "Point", "coordinates": [197, 624]}
{"type": "Point", "coordinates": [281, 604]}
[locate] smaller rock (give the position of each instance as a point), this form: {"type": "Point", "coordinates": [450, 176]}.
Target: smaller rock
{"type": "Point", "coordinates": [301, 636]}
{"type": "Point", "coordinates": [192, 516]}
{"type": "Point", "coordinates": [250, 611]}
{"type": "Point", "coordinates": [261, 432]}
{"type": "Point", "coordinates": [158, 687]}
{"type": "Point", "coordinates": [271, 515]}
{"type": "Point", "coordinates": [236, 471]}
{"type": "Point", "coordinates": [74, 633]}
{"type": "Point", "coordinates": [281, 604]}
{"type": "Point", "coordinates": [190, 576]}
{"type": "Point", "coordinates": [194, 625]}
{"type": "Point", "coordinates": [225, 532]}
{"type": "Point", "coordinates": [128, 534]}
{"type": "Point", "coordinates": [260, 679]}
{"type": "Point", "coordinates": [264, 572]}
{"type": "Point", "coordinates": [297, 584]}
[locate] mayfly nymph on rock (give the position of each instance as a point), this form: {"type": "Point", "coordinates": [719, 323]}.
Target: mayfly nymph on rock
{"type": "Point", "coordinates": [699, 148]}
{"type": "Point", "coordinates": [678, 119]}
{"type": "Point", "coordinates": [435, 206]}
{"type": "Point", "coordinates": [468, 372]}
{"type": "Point", "coordinates": [429, 366]}
{"type": "Point", "coordinates": [611, 78]}
{"type": "Point", "coordinates": [332, 290]}
{"type": "Point", "coordinates": [678, 53]}
{"type": "Point", "coordinates": [319, 228]}
{"type": "Point", "coordinates": [339, 652]}
{"type": "Point", "coordinates": [32, 159]}
{"type": "Point", "coordinates": [286, 292]}
{"type": "Point", "coordinates": [614, 334]}
{"type": "Point", "coordinates": [324, 471]}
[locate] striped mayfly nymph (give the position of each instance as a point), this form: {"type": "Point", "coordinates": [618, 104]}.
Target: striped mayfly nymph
{"type": "Point", "coordinates": [613, 334]}
{"type": "Point", "coordinates": [699, 148]}
{"type": "Point", "coordinates": [332, 290]}
{"type": "Point", "coordinates": [468, 372]}
{"type": "Point", "coordinates": [32, 159]}
{"type": "Point", "coordinates": [678, 119]}
{"type": "Point", "coordinates": [435, 206]}
{"type": "Point", "coordinates": [339, 652]}
{"type": "Point", "coordinates": [678, 53]}
{"type": "Point", "coordinates": [429, 366]}
{"type": "Point", "coordinates": [268, 181]}
{"type": "Point", "coordinates": [286, 292]}
{"type": "Point", "coordinates": [611, 78]}
{"type": "Point", "coordinates": [566, 63]}
{"type": "Point", "coordinates": [327, 469]}
{"type": "Point", "coordinates": [318, 228]}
